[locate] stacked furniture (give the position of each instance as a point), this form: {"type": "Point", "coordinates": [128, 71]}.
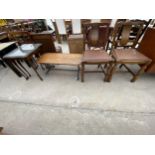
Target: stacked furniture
{"type": "Point", "coordinates": [125, 50]}
{"type": "Point", "coordinates": [45, 38]}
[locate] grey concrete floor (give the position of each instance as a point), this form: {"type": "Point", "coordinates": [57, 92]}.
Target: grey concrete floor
{"type": "Point", "coordinates": [62, 105]}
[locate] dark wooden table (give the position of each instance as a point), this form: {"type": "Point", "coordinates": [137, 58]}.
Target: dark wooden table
{"type": "Point", "coordinates": [46, 39]}
{"type": "Point", "coordinates": [25, 53]}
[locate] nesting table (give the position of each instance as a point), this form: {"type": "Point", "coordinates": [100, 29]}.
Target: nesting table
{"type": "Point", "coordinates": [22, 53]}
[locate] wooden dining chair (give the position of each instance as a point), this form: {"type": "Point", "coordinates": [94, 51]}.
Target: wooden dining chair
{"type": "Point", "coordinates": [124, 51]}
{"type": "Point", "coordinates": [97, 57]}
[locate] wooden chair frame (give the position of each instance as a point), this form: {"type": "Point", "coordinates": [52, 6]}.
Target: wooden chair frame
{"type": "Point", "coordinates": [91, 60]}
{"type": "Point", "coordinates": [108, 73]}
{"type": "Point", "coordinates": [143, 66]}
{"type": "Point", "coordinates": [121, 37]}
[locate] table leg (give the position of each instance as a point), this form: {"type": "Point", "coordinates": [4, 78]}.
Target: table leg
{"type": "Point", "coordinates": [18, 67]}
{"type": "Point", "coordinates": [13, 68]}
{"type": "Point", "coordinates": [78, 71]}
{"type": "Point", "coordinates": [2, 63]}
{"type": "Point", "coordinates": [32, 65]}
{"type": "Point", "coordinates": [18, 61]}
{"type": "Point", "coordinates": [82, 72]}
{"type": "Point", "coordinates": [49, 67]}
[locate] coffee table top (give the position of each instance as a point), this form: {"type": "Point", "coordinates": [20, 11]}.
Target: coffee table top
{"type": "Point", "coordinates": [60, 59]}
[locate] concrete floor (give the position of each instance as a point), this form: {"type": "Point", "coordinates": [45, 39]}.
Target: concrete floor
{"type": "Point", "coordinates": [62, 105]}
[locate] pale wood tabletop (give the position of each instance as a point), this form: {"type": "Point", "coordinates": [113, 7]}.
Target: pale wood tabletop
{"type": "Point", "coordinates": [60, 59]}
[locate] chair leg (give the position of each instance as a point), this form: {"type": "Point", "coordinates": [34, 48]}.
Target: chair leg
{"type": "Point", "coordinates": [141, 71]}
{"type": "Point", "coordinates": [121, 66]}
{"type": "Point", "coordinates": [111, 70]}
{"type": "Point", "coordinates": [82, 72]}
{"type": "Point", "coordinates": [107, 46]}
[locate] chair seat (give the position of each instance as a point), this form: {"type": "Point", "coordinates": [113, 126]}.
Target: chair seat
{"type": "Point", "coordinates": [130, 55]}
{"type": "Point", "coordinates": [96, 56]}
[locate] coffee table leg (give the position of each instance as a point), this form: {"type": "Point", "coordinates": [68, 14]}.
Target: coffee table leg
{"type": "Point", "coordinates": [82, 72]}
{"type": "Point", "coordinates": [78, 72]}
{"type": "Point", "coordinates": [32, 65]}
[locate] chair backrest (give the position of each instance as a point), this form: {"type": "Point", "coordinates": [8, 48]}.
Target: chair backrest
{"type": "Point", "coordinates": [126, 33]}
{"type": "Point", "coordinates": [97, 34]}
{"type": "Point", "coordinates": [20, 36]}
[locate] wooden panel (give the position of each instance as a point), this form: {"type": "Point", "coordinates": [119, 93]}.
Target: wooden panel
{"type": "Point", "coordinates": [46, 40]}
{"type": "Point", "coordinates": [147, 47]}
{"type": "Point", "coordinates": [60, 59]}
{"type": "Point", "coordinates": [76, 43]}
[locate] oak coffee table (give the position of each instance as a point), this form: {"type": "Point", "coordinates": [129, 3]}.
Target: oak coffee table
{"type": "Point", "coordinates": [62, 59]}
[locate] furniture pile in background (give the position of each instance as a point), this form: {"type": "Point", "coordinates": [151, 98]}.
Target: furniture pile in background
{"type": "Point", "coordinates": [100, 42]}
